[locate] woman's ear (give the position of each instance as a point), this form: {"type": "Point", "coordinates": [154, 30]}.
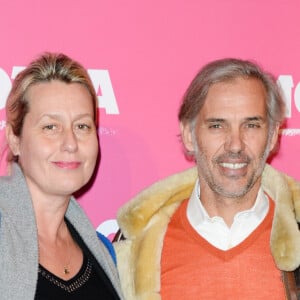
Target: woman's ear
{"type": "Point", "coordinates": [187, 136]}
{"type": "Point", "coordinates": [12, 140]}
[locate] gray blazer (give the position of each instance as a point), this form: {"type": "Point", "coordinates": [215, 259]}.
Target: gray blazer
{"type": "Point", "coordinates": [18, 240]}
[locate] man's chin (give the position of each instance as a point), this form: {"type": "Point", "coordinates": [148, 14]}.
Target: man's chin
{"type": "Point", "coordinates": [229, 191]}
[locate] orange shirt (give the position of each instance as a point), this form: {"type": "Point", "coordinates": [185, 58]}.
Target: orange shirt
{"type": "Point", "coordinates": [191, 268]}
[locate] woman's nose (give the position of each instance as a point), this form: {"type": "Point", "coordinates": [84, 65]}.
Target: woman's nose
{"type": "Point", "coordinates": [69, 142]}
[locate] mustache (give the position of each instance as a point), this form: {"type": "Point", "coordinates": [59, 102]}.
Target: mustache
{"type": "Point", "coordinates": [232, 156]}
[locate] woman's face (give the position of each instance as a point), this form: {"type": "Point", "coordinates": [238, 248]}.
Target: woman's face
{"type": "Point", "coordinates": [58, 146]}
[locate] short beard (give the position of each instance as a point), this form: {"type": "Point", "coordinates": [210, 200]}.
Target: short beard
{"type": "Point", "coordinates": [201, 160]}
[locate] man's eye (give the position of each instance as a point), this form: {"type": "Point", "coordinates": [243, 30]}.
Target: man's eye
{"type": "Point", "coordinates": [253, 125]}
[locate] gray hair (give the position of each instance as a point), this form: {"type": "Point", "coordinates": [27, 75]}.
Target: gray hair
{"type": "Point", "coordinates": [225, 70]}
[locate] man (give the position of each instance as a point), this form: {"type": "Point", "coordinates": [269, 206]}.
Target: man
{"type": "Point", "coordinates": [206, 233]}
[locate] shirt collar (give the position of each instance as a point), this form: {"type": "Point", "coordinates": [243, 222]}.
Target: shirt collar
{"type": "Point", "coordinates": [197, 214]}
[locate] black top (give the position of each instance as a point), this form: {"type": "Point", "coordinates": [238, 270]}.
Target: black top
{"type": "Point", "coordinates": [90, 282]}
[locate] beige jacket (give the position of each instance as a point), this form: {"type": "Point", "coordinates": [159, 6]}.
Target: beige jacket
{"type": "Point", "coordinates": [144, 220]}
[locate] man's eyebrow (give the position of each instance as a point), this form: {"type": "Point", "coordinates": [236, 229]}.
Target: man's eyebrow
{"type": "Point", "coordinates": [221, 120]}
{"type": "Point", "coordinates": [212, 120]}
{"type": "Point", "coordinates": [255, 118]}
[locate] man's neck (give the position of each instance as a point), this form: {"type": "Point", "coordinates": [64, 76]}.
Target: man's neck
{"type": "Point", "coordinates": [225, 207]}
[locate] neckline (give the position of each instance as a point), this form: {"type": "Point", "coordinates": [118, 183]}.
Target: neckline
{"type": "Point", "coordinates": [227, 254]}
{"type": "Point", "coordinates": [47, 274]}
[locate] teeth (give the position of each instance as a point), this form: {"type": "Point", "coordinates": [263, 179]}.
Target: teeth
{"type": "Point", "coordinates": [233, 166]}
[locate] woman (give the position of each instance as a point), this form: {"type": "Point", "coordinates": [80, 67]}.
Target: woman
{"type": "Point", "coordinates": [48, 248]}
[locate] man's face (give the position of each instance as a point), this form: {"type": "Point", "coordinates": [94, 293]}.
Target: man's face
{"type": "Point", "coordinates": [231, 138]}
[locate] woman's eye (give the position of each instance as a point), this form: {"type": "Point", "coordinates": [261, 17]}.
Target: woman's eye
{"type": "Point", "coordinates": [84, 127]}
{"type": "Point", "coordinates": [49, 127]}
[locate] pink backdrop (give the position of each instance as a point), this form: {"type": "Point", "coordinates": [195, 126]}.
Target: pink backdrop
{"type": "Point", "coordinates": [141, 56]}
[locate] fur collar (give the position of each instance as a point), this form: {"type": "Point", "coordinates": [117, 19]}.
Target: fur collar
{"type": "Point", "coordinates": [144, 220]}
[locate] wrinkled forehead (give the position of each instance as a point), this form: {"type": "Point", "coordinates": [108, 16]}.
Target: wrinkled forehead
{"type": "Point", "coordinates": [242, 96]}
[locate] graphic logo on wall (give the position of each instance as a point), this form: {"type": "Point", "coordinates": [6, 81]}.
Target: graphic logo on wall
{"type": "Point", "coordinates": [286, 83]}
{"type": "Point", "coordinates": [100, 78]}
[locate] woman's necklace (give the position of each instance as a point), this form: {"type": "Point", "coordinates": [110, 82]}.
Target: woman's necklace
{"type": "Point", "coordinates": [50, 255]}
{"type": "Point", "coordinates": [67, 266]}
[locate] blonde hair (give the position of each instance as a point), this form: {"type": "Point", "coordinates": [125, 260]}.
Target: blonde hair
{"type": "Point", "coordinates": [47, 67]}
